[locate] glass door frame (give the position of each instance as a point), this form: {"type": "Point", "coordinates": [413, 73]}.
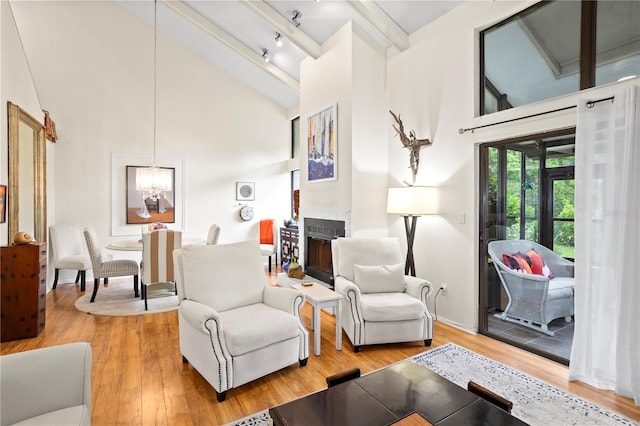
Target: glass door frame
{"type": "Point", "coordinates": [483, 239]}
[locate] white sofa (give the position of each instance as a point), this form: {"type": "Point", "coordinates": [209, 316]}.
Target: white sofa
{"type": "Point", "coordinates": [234, 327]}
{"type": "Point", "coordinates": [382, 305]}
{"type": "Point", "coordinates": [48, 386]}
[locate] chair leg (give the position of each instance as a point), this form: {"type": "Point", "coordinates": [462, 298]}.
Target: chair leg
{"type": "Point", "coordinates": [303, 362]}
{"type": "Point", "coordinates": [55, 278]}
{"type": "Point", "coordinates": [96, 284]}
{"type": "Point", "coordinates": [135, 285]}
{"type": "Point", "coordinates": [144, 294]}
{"type": "Point", "coordinates": [83, 280]}
{"type": "Point", "coordinates": [269, 263]}
{"type": "Point", "coordinates": [77, 277]}
{"type": "Point", "coordinates": [220, 396]}
{"type": "Point", "coordinates": [106, 282]}
{"type": "Point", "coordinates": [427, 342]}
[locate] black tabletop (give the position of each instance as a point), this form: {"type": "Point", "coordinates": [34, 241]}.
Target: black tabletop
{"type": "Point", "coordinates": [389, 394]}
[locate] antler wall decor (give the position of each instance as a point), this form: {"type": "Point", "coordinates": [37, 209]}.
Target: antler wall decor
{"type": "Point", "coordinates": [412, 143]}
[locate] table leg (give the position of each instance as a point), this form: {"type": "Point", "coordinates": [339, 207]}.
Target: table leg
{"type": "Point", "coordinates": [338, 312]}
{"type": "Point", "coordinates": [316, 329]}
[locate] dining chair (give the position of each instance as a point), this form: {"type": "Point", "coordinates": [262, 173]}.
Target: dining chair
{"type": "Point", "coordinates": [156, 266]}
{"type": "Point", "coordinates": [343, 376]}
{"type": "Point", "coordinates": [490, 396]}
{"type": "Point", "coordinates": [269, 239]}
{"type": "Point", "coordinates": [110, 268]}
{"type": "Point", "coordinates": [213, 235]}
{"type": "Point", "coordinates": [69, 252]}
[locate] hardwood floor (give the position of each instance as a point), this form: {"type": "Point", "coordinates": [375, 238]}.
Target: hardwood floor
{"type": "Point", "coordinates": [139, 378]}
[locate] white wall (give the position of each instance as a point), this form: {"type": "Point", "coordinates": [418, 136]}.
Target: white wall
{"type": "Point", "coordinates": [434, 85]}
{"type": "Point", "coordinates": [16, 87]}
{"type": "Point", "coordinates": [92, 65]}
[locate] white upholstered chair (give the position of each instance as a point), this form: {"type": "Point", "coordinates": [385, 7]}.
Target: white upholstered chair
{"type": "Point", "coordinates": [110, 268]}
{"type": "Point", "coordinates": [69, 251]}
{"type": "Point", "coordinates": [47, 386]}
{"type": "Point", "coordinates": [382, 305]}
{"type": "Point", "coordinates": [156, 267]}
{"type": "Point", "coordinates": [234, 327]}
{"type": "Point", "coordinates": [534, 300]}
{"type": "Point", "coordinates": [213, 235]}
{"type": "Point", "coordinates": [269, 239]}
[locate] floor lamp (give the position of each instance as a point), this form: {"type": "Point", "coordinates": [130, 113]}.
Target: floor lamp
{"type": "Point", "coordinates": [411, 202]}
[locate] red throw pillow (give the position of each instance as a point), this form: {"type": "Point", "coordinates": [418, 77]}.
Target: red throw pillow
{"type": "Point", "coordinates": [517, 261]}
{"type": "Point", "coordinates": [536, 262]}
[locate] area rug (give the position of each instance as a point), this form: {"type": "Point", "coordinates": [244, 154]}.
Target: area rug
{"type": "Point", "coordinates": [534, 401]}
{"type": "Point", "coordinates": [118, 299]}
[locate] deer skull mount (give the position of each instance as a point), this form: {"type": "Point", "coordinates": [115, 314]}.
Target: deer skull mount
{"type": "Point", "coordinates": [412, 143]}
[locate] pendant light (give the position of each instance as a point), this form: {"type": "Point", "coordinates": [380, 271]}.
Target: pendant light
{"type": "Point", "coordinates": [154, 181]}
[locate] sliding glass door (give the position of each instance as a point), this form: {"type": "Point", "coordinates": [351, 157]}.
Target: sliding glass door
{"type": "Point", "coordinates": [527, 193]}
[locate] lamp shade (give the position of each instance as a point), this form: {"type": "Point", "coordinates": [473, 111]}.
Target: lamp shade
{"type": "Point", "coordinates": [153, 179]}
{"type": "Point", "coordinates": [412, 200]}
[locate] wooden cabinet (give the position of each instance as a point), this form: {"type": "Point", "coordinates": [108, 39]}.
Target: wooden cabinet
{"type": "Point", "coordinates": [24, 290]}
{"type": "Point", "coordinates": [288, 244]}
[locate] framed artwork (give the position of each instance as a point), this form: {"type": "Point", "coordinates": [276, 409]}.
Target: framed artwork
{"type": "Point", "coordinates": [3, 203]}
{"type": "Point", "coordinates": [143, 207]}
{"type": "Point", "coordinates": [322, 160]}
{"type": "Point", "coordinates": [245, 191]}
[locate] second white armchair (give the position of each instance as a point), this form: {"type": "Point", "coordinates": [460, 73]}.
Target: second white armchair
{"type": "Point", "coordinates": [382, 305]}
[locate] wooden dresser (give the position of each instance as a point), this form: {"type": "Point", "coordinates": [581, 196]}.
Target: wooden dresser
{"type": "Point", "coordinates": [23, 293]}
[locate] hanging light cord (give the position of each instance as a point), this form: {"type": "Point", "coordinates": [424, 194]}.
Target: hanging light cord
{"type": "Point", "coordinates": [155, 75]}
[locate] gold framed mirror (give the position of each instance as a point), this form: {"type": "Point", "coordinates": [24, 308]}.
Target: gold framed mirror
{"type": "Point", "coordinates": [26, 192]}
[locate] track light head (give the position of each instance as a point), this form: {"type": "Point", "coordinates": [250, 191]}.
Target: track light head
{"type": "Point", "coordinates": [278, 39]}
{"type": "Point", "coordinates": [265, 55]}
{"type": "Point", "coordinates": [296, 15]}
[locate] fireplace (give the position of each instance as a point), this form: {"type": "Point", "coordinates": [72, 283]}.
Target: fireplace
{"type": "Point", "coordinates": [318, 234]}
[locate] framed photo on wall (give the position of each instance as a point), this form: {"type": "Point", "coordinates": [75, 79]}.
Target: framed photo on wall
{"type": "Point", "coordinates": [143, 207]}
{"type": "Point", "coordinates": [245, 191]}
{"type": "Point", "coordinates": [322, 144]}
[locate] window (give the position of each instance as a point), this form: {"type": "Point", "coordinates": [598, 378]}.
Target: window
{"type": "Point", "coordinates": [554, 48]}
{"type": "Point", "coordinates": [295, 174]}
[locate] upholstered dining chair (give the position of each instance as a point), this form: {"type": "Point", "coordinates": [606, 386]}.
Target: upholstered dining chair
{"type": "Point", "coordinates": [69, 251]}
{"type": "Point", "coordinates": [110, 268]}
{"type": "Point", "coordinates": [269, 239]}
{"type": "Point", "coordinates": [234, 327]}
{"type": "Point", "coordinates": [213, 235]}
{"type": "Point", "coordinates": [156, 267]}
{"type": "Point", "coordinates": [382, 305]}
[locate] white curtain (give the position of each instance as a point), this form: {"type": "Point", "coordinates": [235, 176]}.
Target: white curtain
{"type": "Point", "coordinates": [606, 344]}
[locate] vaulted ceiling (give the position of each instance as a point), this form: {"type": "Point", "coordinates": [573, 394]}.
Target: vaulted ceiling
{"type": "Point", "coordinates": [238, 35]}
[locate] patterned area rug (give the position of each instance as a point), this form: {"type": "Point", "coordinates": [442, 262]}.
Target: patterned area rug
{"type": "Point", "coordinates": [534, 401]}
{"type": "Point", "coordinates": [118, 299]}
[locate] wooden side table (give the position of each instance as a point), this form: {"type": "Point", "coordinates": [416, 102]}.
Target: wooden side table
{"type": "Point", "coordinates": [319, 297]}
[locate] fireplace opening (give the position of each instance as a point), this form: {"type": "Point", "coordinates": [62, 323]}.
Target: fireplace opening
{"type": "Point", "coordinates": [318, 234]}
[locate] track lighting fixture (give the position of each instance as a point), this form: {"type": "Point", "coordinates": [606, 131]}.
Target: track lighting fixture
{"type": "Point", "coordinates": [294, 18]}
{"type": "Point", "coordinates": [265, 55]}
{"type": "Point", "coordinates": [278, 39]}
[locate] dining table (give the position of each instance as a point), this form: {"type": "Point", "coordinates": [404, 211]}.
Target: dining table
{"type": "Point", "coordinates": [401, 394]}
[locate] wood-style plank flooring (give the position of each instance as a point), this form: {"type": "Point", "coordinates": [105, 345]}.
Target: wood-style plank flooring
{"type": "Point", "coordinates": [138, 376]}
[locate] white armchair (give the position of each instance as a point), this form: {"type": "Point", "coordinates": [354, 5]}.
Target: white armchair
{"type": "Point", "coordinates": [234, 327]}
{"type": "Point", "coordinates": [48, 386]}
{"type": "Point", "coordinates": [534, 300]}
{"type": "Point", "coordinates": [382, 305]}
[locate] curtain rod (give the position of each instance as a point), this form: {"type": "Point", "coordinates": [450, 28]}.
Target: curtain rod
{"type": "Point", "coordinates": [590, 104]}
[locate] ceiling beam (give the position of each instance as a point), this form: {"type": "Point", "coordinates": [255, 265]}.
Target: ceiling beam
{"type": "Point", "coordinates": [382, 22]}
{"type": "Point", "coordinates": [182, 9]}
{"type": "Point", "coordinates": [285, 27]}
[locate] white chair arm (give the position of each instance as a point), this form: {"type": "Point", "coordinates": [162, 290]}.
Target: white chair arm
{"type": "Point", "coordinates": [560, 266]}
{"type": "Point", "coordinates": [45, 380]}
{"type": "Point", "coordinates": [351, 293]}
{"type": "Point", "coordinates": [197, 315]}
{"type": "Point", "coordinates": [418, 288]}
{"type": "Point", "coordinates": [286, 299]}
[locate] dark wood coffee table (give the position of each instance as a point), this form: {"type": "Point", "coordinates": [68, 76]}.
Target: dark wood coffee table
{"type": "Point", "coordinates": [389, 395]}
